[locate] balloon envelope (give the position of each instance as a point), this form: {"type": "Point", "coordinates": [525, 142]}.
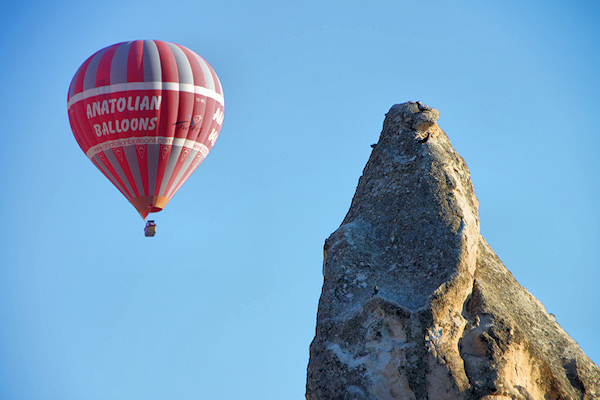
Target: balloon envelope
{"type": "Point", "coordinates": [146, 113]}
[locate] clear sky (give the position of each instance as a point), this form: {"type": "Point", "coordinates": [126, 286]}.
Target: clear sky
{"type": "Point", "coordinates": [222, 303]}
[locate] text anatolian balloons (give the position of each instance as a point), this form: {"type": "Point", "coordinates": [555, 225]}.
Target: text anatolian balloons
{"type": "Point", "coordinates": [146, 113]}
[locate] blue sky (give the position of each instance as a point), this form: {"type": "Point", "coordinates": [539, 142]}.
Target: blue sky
{"type": "Point", "coordinates": [222, 303]}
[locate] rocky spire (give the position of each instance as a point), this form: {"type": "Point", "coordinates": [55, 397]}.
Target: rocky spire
{"type": "Point", "coordinates": [415, 304]}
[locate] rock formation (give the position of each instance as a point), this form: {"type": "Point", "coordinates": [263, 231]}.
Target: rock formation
{"type": "Point", "coordinates": [416, 305]}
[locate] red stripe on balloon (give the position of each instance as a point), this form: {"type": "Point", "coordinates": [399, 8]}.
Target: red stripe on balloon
{"type": "Point", "coordinates": [103, 70]}
{"type": "Point", "coordinates": [199, 79]}
{"type": "Point", "coordinates": [119, 153]}
{"type": "Point", "coordinates": [205, 132]}
{"type": "Point", "coordinates": [199, 106]}
{"type": "Point", "coordinates": [141, 152]}
{"type": "Point", "coordinates": [168, 64]}
{"type": "Point", "coordinates": [163, 158]}
{"type": "Point", "coordinates": [135, 62]}
{"type": "Point", "coordinates": [178, 165]}
{"type": "Point", "coordinates": [81, 75]}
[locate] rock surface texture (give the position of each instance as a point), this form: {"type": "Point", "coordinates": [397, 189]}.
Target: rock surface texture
{"type": "Point", "coordinates": [416, 305]}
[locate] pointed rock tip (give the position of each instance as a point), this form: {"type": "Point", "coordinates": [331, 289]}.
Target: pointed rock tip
{"type": "Point", "coordinates": [411, 115]}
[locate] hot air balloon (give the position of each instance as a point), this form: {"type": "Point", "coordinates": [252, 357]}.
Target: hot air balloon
{"type": "Point", "coordinates": [146, 113]}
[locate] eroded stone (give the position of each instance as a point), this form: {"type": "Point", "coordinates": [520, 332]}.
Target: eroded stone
{"type": "Point", "coordinates": [415, 304]}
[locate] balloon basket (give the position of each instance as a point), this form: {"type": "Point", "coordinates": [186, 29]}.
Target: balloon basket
{"type": "Point", "coordinates": [150, 229]}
